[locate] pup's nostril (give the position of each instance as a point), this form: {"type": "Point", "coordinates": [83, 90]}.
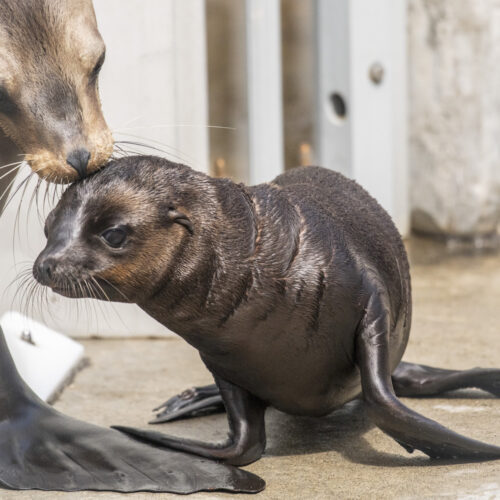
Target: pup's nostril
{"type": "Point", "coordinates": [79, 160]}
{"type": "Point", "coordinates": [46, 269]}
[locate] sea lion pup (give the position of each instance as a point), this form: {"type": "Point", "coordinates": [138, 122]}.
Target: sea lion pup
{"type": "Point", "coordinates": [296, 293]}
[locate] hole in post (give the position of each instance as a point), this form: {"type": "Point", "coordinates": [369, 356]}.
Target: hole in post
{"type": "Point", "coordinates": [339, 106]}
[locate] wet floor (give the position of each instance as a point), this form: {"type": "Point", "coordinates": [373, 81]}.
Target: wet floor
{"type": "Point", "coordinates": [456, 324]}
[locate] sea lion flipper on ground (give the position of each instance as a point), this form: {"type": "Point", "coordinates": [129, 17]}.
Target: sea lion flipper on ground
{"type": "Point", "coordinates": [408, 380]}
{"type": "Point", "coordinates": [192, 402]}
{"type": "Point", "coordinates": [410, 429]}
{"type": "Point", "coordinates": [43, 449]}
{"type": "Point", "coordinates": [413, 380]}
{"type": "Point", "coordinates": [247, 437]}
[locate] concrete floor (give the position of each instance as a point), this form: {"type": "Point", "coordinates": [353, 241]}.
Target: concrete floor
{"type": "Point", "coordinates": [456, 324]}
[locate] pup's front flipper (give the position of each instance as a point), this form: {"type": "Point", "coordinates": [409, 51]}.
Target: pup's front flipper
{"type": "Point", "coordinates": [192, 402]}
{"type": "Point", "coordinates": [408, 428]}
{"type": "Point", "coordinates": [411, 380]}
{"type": "Point", "coordinates": [247, 437]}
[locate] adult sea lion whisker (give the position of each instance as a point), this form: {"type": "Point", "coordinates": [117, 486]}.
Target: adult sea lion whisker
{"type": "Point", "coordinates": [22, 197]}
{"type": "Point", "coordinates": [120, 150]}
{"type": "Point", "coordinates": [158, 143]}
{"type": "Point", "coordinates": [46, 193]}
{"type": "Point", "coordinates": [128, 151]}
{"type": "Point", "coordinates": [15, 163]}
{"type": "Point", "coordinates": [17, 229]}
{"type": "Point", "coordinates": [7, 190]}
{"type": "Point", "coordinates": [11, 171]}
{"type": "Point", "coordinates": [34, 199]}
{"type": "Point", "coordinates": [55, 192]}
{"type": "Point", "coordinates": [174, 125]}
{"type": "Point", "coordinates": [24, 181]}
{"type": "Point", "coordinates": [179, 156]}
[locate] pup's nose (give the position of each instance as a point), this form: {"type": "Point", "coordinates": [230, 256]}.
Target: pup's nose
{"type": "Point", "coordinates": [46, 268]}
{"type": "Point", "coordinates": [79, 159]}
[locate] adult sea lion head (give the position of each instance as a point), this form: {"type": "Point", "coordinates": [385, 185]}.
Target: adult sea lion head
{"type": "Point", "coordinates": [121, 236]}
{"type": "Point", "coordinates": [50, 56]}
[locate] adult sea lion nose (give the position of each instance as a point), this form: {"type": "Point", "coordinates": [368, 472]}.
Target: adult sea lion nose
{"type": "Point", "coordinates": [79, 160]}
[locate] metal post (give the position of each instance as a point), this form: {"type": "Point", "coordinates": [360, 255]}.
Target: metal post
{"type": "Point", "coordinates": [362, 129]}
{"type": "Point", "coordinates": [265, 107]}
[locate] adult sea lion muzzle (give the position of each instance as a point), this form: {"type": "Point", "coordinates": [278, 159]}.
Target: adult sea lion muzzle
{"type": "Point", "coordinates": [51, 54]}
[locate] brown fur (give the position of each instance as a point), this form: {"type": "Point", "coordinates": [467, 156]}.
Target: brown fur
{"type": "Point", "coordinates": [296, 294]}
{"type": "Point", "coordinates": [284, 260]}
{"type": "Point", "coordinates": [49, 99]}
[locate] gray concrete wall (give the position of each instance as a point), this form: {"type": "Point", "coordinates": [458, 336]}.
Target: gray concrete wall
{"type": "Point", "coordinates": [454, 96]}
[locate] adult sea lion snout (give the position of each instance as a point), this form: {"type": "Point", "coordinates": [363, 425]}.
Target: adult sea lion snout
{"type": "Point", "coordinates": [51, 53]}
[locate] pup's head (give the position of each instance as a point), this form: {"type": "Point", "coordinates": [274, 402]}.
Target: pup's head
{"type": "Point", "coordinates": [50, 56]}
{"type": "Point", "coordinates": [115, 235]}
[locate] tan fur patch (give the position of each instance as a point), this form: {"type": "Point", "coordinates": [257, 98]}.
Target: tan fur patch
{"type": "Point", "coordinates": [47, 56]}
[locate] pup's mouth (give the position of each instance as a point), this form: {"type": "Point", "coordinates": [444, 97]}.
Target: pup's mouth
{"type": "Point", "coordinates": [71, 292]}
{"type": "Point", "coordinates": [68, 292]}
{"type": "Point", "coordinates": [94, 288]}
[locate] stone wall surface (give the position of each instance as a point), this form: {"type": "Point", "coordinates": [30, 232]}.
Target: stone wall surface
{"type": "Point", "coordinates": [454, 95]}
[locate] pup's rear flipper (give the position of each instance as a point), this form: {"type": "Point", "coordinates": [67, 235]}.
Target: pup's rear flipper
{"type": "Point", "coordinates": [408, 428]}
{"type": "Point", "coordinates": [42, 449]}
{"type": "Point", "coordinates": [412, 380]}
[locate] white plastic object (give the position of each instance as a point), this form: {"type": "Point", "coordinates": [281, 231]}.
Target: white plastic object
{"type": "Point", "coordinates": [45, 359]}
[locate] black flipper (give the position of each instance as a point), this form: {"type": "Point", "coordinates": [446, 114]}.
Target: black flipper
{"type": "Point", "coordinates": [408, 428]}
{"type": "Point", "coordinates": [42, 449]}
{"type": "Point", "coordinates": [411, 380]}
{"type": "Point", "coordinates": [193, 402]}
{"type": "Point", "coordinates": [247, 437]}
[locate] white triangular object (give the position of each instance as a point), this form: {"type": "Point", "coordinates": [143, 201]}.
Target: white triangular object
{"type": "Point", "coordinates": [44, 358]}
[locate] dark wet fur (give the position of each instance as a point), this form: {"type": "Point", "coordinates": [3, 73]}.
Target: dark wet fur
{"type": "Point", "coordinates": [296, 294]}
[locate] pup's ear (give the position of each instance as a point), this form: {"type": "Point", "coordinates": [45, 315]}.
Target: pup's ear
{"type": "Point", "coordinates": [181, 218]}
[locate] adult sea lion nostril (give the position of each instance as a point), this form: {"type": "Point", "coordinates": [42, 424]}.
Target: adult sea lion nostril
{"type": "Point", "coordinates": [79, 160]}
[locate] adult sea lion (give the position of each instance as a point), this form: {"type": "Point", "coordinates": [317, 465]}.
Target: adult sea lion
{"type": "Point", "coordinates": [51, 53]}
{"type": "Point", "coordinates": [296, 294]}
{"type": "Point", "coordinates": [50, 56]}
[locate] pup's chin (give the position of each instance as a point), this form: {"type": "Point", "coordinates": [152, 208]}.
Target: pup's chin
{"type": "Point", "coordinates": [70, 294]}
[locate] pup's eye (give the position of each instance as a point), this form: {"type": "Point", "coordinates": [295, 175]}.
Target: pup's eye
{"type": "Point", "coordinates": [114, 237]}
